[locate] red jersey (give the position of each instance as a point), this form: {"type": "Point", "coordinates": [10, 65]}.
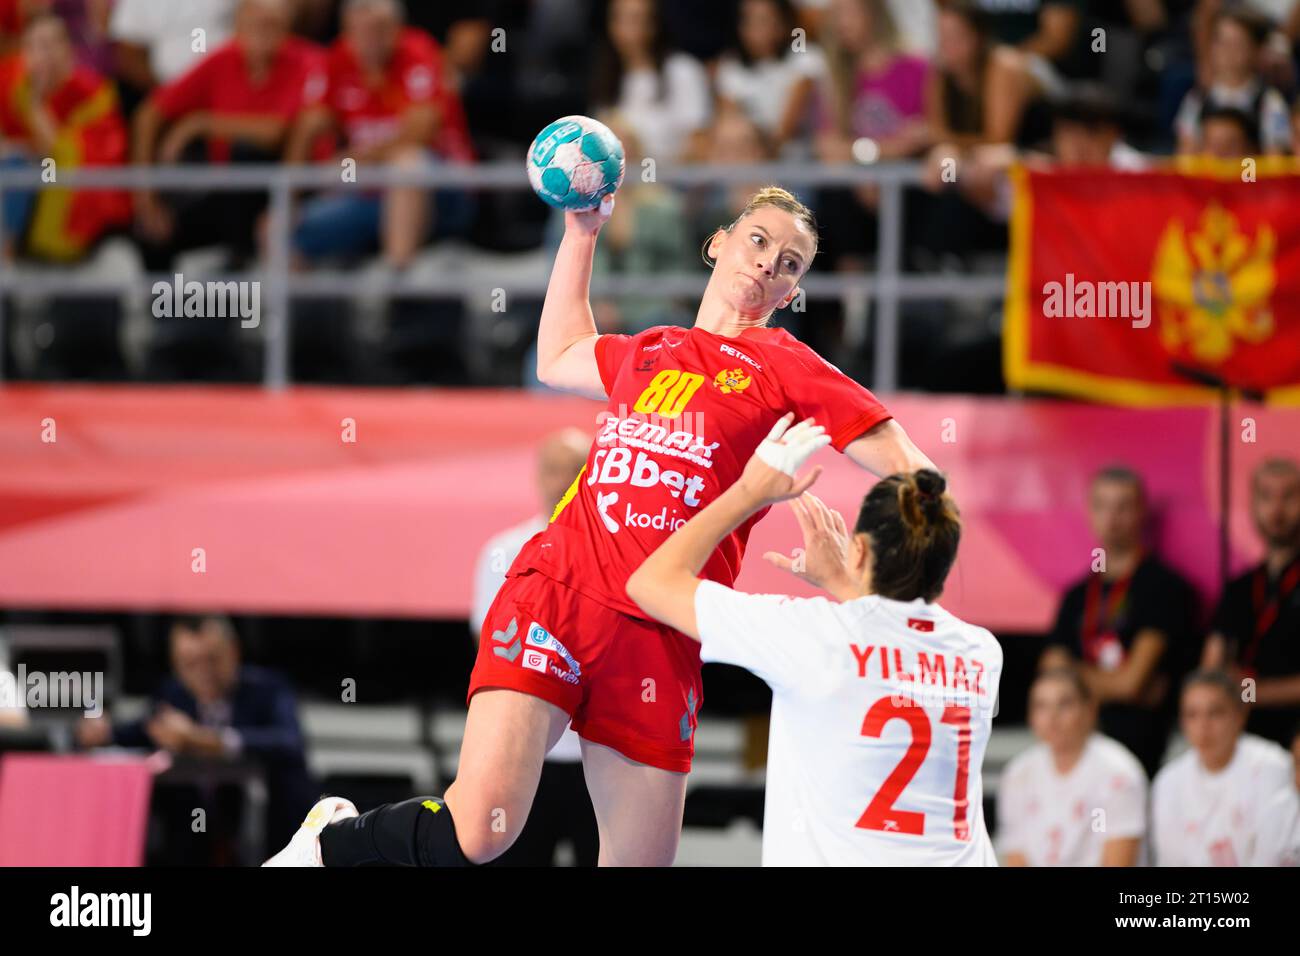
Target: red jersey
{"type": "Point", "coordinates": [686, 410]}
{"type": "Point", "coordinates": [220, 83]}
{"type": "Point", "coordinates": [91, 132]}
{"type": "Point", "coordinates": [416, 75]}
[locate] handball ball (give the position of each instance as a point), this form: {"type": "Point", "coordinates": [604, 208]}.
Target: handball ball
{"type": "Point", "coordinates": [575, 162]}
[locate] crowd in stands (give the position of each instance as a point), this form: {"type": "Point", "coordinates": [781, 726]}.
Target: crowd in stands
{"type": "Point", "coordinates": [980, 82]}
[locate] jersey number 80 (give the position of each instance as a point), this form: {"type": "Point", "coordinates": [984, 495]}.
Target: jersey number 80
{"type": "Point", "coordinates": [668, 393]}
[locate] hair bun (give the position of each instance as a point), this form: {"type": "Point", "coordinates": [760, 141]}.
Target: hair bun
{"type": "Point", "coordinates": [930, 484]}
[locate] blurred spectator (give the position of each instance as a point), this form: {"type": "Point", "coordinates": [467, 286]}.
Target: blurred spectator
{"type": "Point", "coordinates": [217, 708]}
{"type": "Point", "coordinates": [1280, 826]}
{"type": "Point", "coordinates": [562, 810]}
{"type": "Point", "coordinates": [1087, 133]}
{"type": "Point", "coordinates": [767, 78]}
{"type": "Point", "coordinates": [1227, 133]}
{"type": "Point", "coordinates": [1212, 805]}
{"type": "Point", "coordinates": [1279, 22]}
{"type": "Point", "coordinates": [733, 139]}
{"type": "Point", "coordinates": [52, 110]}
{"type": "Point", "coordinates": [875, 110]}
{"type": "Point", "coordinates": [155, 41]}
{"type": "Point", "coordinates": [1256, 628]}
{"type": "Point", "coordinates": [915, 19]}
{"type": "Point", "coordinates": [1075, 798]}
{"type": "Point", "coordinates": [1127, 623]}
{"type": "Point", "coordinates": [979, 91]}
{"type": "Point", "coordinates": [877, 90]}
{"type": "Point", "coordinates": [1230, 77]}
{"type": "Point", "coordinates": [235, 105]}
{"type": "Point", "coordinates": [979, 95]}
{"type": "Point", "coordinates": [388, 99]}
{"type": "Point", "coordinates": [1045, 31]}
{"type": "Point", "coordinates": [663, 95]}
{"type": "Point", "coordinates": [88, 24]}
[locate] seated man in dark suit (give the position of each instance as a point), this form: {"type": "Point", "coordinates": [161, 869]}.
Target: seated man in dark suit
{"type": "Point", "coordinates": [214, 706]}
{"type": "Point", "coordinates": [1127, 625]}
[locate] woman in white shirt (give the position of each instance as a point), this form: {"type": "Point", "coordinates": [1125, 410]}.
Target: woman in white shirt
{"type": "Point", "coordinates": [882, 700]}
{"type": "Point", "coordinates": [770, 77]}
{"type": "Point", "coordinates": [1227, 798]}
{"type": "Point", "coordinates": [663, 95]}
{"type": "Point", "coordinates": [1075, 798]}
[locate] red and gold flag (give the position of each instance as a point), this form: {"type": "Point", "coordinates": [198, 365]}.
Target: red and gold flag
{"type": "Point", "coordinates": [1117, 277]}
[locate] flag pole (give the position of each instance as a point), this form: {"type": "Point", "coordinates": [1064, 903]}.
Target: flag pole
{"type": "Point", "coordinates": [1225, 389]}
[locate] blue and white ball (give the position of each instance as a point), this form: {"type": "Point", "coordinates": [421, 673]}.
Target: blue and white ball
{"type": "Point", "coordinates": [575, 162]}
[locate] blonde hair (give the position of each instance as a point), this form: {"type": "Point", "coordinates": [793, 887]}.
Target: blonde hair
{"type": "Point", "coordinates": [843, 63]}
{"type": "Point", "coordinates": [778, 198]}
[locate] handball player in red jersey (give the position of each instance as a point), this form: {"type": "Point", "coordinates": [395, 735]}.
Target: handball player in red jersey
{"type": "Point", "coordinates": [562, 643]}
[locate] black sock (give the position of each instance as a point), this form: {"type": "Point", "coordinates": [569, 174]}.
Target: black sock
{"type": "Point", "coordinates": [415, 832]}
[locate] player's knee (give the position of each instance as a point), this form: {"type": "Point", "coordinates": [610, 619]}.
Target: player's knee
{"type": "Point", "coordinates": [487, 821]}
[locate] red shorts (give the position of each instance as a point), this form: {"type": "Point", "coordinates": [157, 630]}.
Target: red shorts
{"type": "Point", "coordinates": [629, 684]}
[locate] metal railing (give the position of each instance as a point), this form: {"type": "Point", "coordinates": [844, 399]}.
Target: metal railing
{"type": "Point", "coordinates": [887, 287]}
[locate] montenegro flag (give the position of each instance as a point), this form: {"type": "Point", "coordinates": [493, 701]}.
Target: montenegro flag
{"type": "Point", "coordinates": [1115, 278]}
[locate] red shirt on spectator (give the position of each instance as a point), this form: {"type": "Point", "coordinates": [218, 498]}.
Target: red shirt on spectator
{"type": "Point", "coordinates": [220, 83]}
{"type": "Point", "coordinates": [415, 75]}
{"type": "Point", "coordinates": [90, 131]}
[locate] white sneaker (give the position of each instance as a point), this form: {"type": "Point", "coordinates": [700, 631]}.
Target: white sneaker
{"type": "Point", "coordinates": [304, 848]}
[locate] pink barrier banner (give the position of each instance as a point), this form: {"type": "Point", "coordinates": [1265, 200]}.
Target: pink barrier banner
{"type": "Point", "coordinates": [73, 811]}
{"type": "Point", "coordinates": [374, 502]}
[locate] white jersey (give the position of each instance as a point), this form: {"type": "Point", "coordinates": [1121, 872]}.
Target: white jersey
{"type": "Point", "coordinates": [881, 713]}
{"type": "Point", "coordinates": [1065, 819]}
{"type": "Point", "coordinates": [1279, 832]}
{"type": "Point", "coordinates": [1201, 818]}
{"type": "Point", "coordinates": [489, 572]}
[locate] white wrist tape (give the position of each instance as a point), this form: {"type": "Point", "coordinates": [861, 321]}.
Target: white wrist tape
{"type": "Point", "coordinates": [787, 450]}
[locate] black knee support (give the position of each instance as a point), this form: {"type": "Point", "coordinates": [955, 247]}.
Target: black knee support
{"type": "Point", "coordinates": [415, 832]}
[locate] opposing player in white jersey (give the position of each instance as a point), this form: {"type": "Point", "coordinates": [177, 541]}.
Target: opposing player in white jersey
{"type": "Point", "coordinates": [1216, 804]}
{"type": "Point", "coordinates": [1076, 797]}
{"type": "Point", "coordinates": [882, 700]}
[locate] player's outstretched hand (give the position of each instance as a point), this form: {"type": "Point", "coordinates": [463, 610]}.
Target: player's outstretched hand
{"type": "Point", "coordinates": [825, 559]}
{"type": "Point", "coordinates": [589, 221]}
{"type": "Point", "coordinates": [770, 475]}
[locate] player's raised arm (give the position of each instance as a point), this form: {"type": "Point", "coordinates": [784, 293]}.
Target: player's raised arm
{"type": "Point", "coordinates": [887, 450]}
{"type": "Point", "coordinates": [566, 337]}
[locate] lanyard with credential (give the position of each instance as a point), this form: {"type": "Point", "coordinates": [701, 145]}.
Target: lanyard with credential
{"type": "Point", "coordinates": [1092, 627]}
{"type": "Point", "coordinates": [1268, 608]}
